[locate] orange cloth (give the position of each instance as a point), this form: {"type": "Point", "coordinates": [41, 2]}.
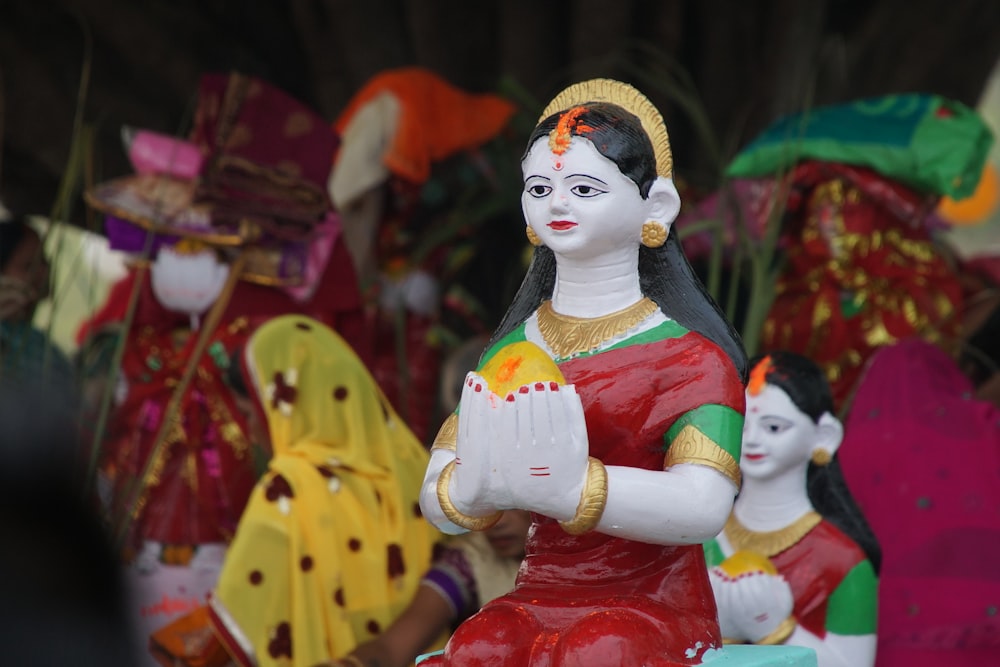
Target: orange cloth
{"type": "Point", "coordinates": [436, 119]}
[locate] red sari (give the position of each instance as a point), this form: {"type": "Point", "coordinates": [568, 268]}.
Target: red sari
{"type": "Point", "coordinates": [595, 599]}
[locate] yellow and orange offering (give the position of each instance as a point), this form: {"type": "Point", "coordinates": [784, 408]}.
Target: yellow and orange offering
{"type": "Point", "coordinates": [747, 562]}
{"type": "Point", "coordinates": [517, 365]}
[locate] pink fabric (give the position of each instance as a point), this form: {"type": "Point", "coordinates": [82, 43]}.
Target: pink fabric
{"type": "Point", "coordinates": [922, 459]}
{"type": "Point", "coordinates": [154, 153]}
{"type": "Point", "coordinates": [318, 255]}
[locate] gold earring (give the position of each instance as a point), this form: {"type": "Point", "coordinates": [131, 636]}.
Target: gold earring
{"type": "Point", "coordinates": [532, 236]}
{"type": "Point", "coordinates": [653, 234]}
{"type": "Point", "coordinates": [821, 457]}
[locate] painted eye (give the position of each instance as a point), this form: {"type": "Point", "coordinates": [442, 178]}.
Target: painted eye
{"type": "Point", "coordinates": [586, 191]}
{"type": "Point", "coordinates": [774, 426]}
{"type": "Point", "coordinates": [539, 191]}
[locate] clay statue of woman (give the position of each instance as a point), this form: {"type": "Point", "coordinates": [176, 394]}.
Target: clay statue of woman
{"type": "Point", "coordinates": [789, 566]}
{"type": "Point", "coordinates": [625, 444]}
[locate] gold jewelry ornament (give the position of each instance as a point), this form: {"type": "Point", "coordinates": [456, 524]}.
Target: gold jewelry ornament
{"type": "Point", "coordinates": [566, 335]}
{"type": "Point", "coordinates": [780, 633]}
{"type": "Point", "coordinates": [593, 498]}
{"type": "Point", "coordinates": [452, 513]}
{"type": "Point", "coordinates": [447, 435]}
{"type": "Point", "coordinates": [532, 236]}
{"type": "Point", "coordinates": [771, 542]}
{"type": "Point", "coordinates": [821, 457]}
{"type": "Point", "coordinates": [630, 99]}
{"type": "Point", "coordinates": [654, 234]}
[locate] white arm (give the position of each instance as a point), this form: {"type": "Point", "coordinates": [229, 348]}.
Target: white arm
{"type": "Point", "coordinates": [686, 504]}
{"type": "Point", "coordinates": [837, 650]}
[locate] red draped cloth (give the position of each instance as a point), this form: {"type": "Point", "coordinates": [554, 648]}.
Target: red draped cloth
{"type": "Point", "coordinates": [862, 272]}
{"type": "Point", "coordinates": [595, 599]}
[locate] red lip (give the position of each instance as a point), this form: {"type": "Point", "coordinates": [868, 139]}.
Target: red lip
{"type": "Point", "coordinates": [560, 225]}
{"type": "Point", "coordinates": [754, 457]}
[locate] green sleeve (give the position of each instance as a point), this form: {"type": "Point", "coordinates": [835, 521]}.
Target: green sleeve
{"type": "Point", "coordinates": [515, 336]}
{"type": "Point", "coordinates": [853, 607]}
{"type": "Point", "coordinates": [713, 553]}
{"type": "Point", "coordinates": [720, 423]}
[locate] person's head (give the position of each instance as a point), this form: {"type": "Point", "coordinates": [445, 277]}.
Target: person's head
{"type": "Point", "coordinates": [66, 578]}
{"type": "Point", "coordinates": [789, 417]}
{"type": "Point", "coordinates": [590, 183]}
{"type": "Point", "coordinates": [507, 536]}
{"type": "Point", "coordinates": [24, 267]}
{"type": "Point", "coordinates": [621, 136]}
{"type": "Point", "coordinates": [312, 390]}
{"type": "Point", "coordinates": [188, 276]}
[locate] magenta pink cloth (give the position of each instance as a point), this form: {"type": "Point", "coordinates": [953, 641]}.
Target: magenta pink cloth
{"type": "Point", "coordinates": [922, 459]}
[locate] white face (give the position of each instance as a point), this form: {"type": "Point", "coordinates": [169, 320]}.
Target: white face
{"type": "Point", "coordinates": [578, 203]}
{"type": "Point", "coordinates": [777, 436]}
{"type": "Point", "coordinates": [187, 283]}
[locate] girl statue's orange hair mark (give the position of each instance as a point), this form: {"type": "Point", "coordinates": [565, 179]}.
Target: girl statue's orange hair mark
{"type": "Point", "coordinates": [568, 126]}
{"type": "Point", "coordinates": [758, 376]}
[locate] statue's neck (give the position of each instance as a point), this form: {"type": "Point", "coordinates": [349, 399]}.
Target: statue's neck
{"type": "Point", "coordinates": [772, 504]}
{"type": "Point", "coordinates": [596, 286]}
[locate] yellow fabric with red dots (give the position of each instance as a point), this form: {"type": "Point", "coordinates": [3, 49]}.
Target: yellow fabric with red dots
{"type": "Point", "coordinates": [332, 545]}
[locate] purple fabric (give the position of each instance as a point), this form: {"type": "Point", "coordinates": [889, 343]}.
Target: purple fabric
{"type": "Point", "coordinates": [451, 575]}
{"type": "Point", "coordinates": [127, 237]}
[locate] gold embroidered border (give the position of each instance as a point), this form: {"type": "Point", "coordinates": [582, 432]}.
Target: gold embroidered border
{"type": "Point", "coordinates": [693, 446]}
{"type": "Point", "coordinates": [447, 436]}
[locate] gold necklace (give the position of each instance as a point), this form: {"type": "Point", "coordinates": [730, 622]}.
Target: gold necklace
{"type": "Point", "coordinates": [566, 335]}
{"type": "Point", "coordinates": [771, 542]}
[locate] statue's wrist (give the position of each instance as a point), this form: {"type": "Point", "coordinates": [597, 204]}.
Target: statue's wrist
{"type": "Point", "coordinates": [479, 521]}
{"type": "Point", "coordinates": [592, 500]}
{"type": "Point", "coordinates": [780, 634]}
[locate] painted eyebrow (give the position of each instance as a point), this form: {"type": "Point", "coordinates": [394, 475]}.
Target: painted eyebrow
{"type": "Point", "coordinates": [531, 176]}
{"type": "Point", "coordinates": [593, 178]}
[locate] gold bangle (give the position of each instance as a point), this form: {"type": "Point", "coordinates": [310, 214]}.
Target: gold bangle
{"type": "Point", "coordinates": [447, 435]}
{"type": "Point", "coordinates": [780, 633]}
{"type": "Point", "coordinates": [592, 500]}
{"type": "Point", "coordinates": [452, 513]}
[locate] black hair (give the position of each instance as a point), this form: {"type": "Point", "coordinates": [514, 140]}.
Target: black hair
{"type": "Point", "coordinates": [12, 233]}
{"type": "Point", "coordinates": [801, 379]}
{"type": "Point", "coordinates": [807, 387]}
{"type": "Point", "coordinates": [980, 356]}
{"type": "Point", "coordinates": [665, 275]}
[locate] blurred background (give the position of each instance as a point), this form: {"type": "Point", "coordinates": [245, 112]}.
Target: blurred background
{"type": "Point", "coordinates": [450, 247]}
{"type": "Point", "coordinates": [74, 72]}
{"type": "Point", "coordinates": [719, 70]}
